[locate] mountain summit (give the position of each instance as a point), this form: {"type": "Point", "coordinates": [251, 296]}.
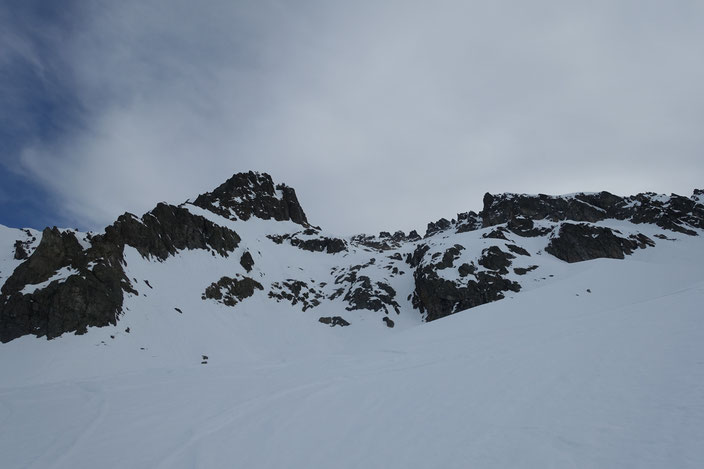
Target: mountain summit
{"type": "Point", "coordinates": [253, 194]}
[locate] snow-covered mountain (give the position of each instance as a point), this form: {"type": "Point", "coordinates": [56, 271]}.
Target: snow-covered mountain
{"type": "Point", "coordinates": [230, 331]}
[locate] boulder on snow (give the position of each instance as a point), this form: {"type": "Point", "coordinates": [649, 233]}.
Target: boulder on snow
{"type": "Point", "coordinates": [230, 291]}
{"type": "Point", "coordinates": [246, 261]}
{"type": "Point", "coordinates": [333, 321]}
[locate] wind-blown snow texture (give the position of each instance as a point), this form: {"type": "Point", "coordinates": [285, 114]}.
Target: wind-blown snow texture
{"type": "Point", "coordinates": [218, 359]}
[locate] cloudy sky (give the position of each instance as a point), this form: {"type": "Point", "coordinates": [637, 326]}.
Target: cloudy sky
{"type": "Point", "coordinates": [382, 114]}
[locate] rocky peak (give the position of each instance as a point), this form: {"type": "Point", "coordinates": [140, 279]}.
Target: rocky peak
{"type": "Point", "coordinates": [250, 194]}
{"type": "Point", "coordinates": [438, 226]}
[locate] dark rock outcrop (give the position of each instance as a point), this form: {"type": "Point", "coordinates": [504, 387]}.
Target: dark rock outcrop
{"type": "Point", "coordinates": [91, 292]}
{"type": "Point", "coordinates": [360, 292]}
{"type": "Point", "coordinates": [230, 291]}
{"type": "Point", "coordinates": [519, 211]}
{"type": "Point", "coordinates": [468, 221]}
{"type": "Point", "coordinates": [374, 296]}
{"type": "Point", "coordinates": [23, 248]}
{"type": "Point", "coordinates": [581, 242]}
{"type": "Point", "coordinates": [246, 261]}
{"type": "Point", "coordinates": [675, 213]}
{"type": "Point", "coordinates": [517, 250]}
{"type": "Point", "coordinates": [89, 299]}
{"type": "Point", "coordinates": [497, 233]}
{"type": "Point", "coordinates": [493, 258]}
{"type": "Point", "coordinates": [413, 236]}
{"type": "Point", "coordinates": [525, 227]}
{"type": "Point", "coordinates": [440, 225]}
{"type": "Point", "coordinates": [56, 250]}
{"type": "Point", "coordinates": [698, 196]}
{"type": "Point", "coordinates": [385, 241]}
{"type": "Point", "coordinates": [438, 297]}
{"type": "Point", "coordinates": [168, 229]}
{"type": "Point", "coordinates": [20, 251]}
{"type": "Point", "coordinates": [318, 244]}
{"type": "Point", "coordinates": [323, 244]}
{"type": "Point", "coordinates": [448, 258]}
{"type": "Point", "coordinates": [333, 321]}
{"type": "Point", "coordinates": [505, 207]}
{"type": "Point", "coordinates": [415, 259]}
{"type": "Point", "coordinates": [524, 270]}
{"type": "Point", "coordinates": [251, 194]}
{"type": "Point", "coordinates": [466, 269]}
{"type": "Point", "coordinates": [296, 291]}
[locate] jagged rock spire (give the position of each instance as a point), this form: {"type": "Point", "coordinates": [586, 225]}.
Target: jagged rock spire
{"type": "Point", "coordinates": [250, 194]}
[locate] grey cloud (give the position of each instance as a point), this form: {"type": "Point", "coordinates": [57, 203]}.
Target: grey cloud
{"type": "Point", "coordinates": [383, 115]}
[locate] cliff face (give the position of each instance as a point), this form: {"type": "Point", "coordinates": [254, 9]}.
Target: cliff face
{"type": "Point", "coordinates": [65, 281]}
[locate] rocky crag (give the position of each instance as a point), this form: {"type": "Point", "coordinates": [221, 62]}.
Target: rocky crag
{"type": "Point", "coordinates": [62, 281]}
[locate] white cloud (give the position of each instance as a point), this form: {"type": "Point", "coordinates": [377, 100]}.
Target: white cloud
{"type": "Point", "coordinates": [382, 115]}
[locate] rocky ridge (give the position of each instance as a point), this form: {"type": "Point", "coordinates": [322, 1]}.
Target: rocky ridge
{"type": "Point", "coordinates": [67, 281]}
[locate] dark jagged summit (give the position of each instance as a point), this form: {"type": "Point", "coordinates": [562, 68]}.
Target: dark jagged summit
{"type": "Point", "coordinates": [90, 293]}
{"type": "Point", "coordinates": [250, 194]}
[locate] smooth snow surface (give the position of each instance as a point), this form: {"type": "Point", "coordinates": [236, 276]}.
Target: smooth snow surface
{"type": "Point", "coordinates": [600, 366]}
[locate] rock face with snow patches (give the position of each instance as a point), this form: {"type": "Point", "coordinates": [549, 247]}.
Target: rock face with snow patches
{"type": "Point", "coordinates": [582, 242]}
{"type": "Point", "coordinates": [257, 236]}
{"type": "Point", "coordinates": [65, 286]}
{"type": "Point", "coordinates": [250, 194]}
{"type": "Point", "coordinates": [674, 213]}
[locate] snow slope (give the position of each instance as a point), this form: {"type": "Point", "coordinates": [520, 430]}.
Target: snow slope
{"type": "Point", "coordinates": [600, 366]}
